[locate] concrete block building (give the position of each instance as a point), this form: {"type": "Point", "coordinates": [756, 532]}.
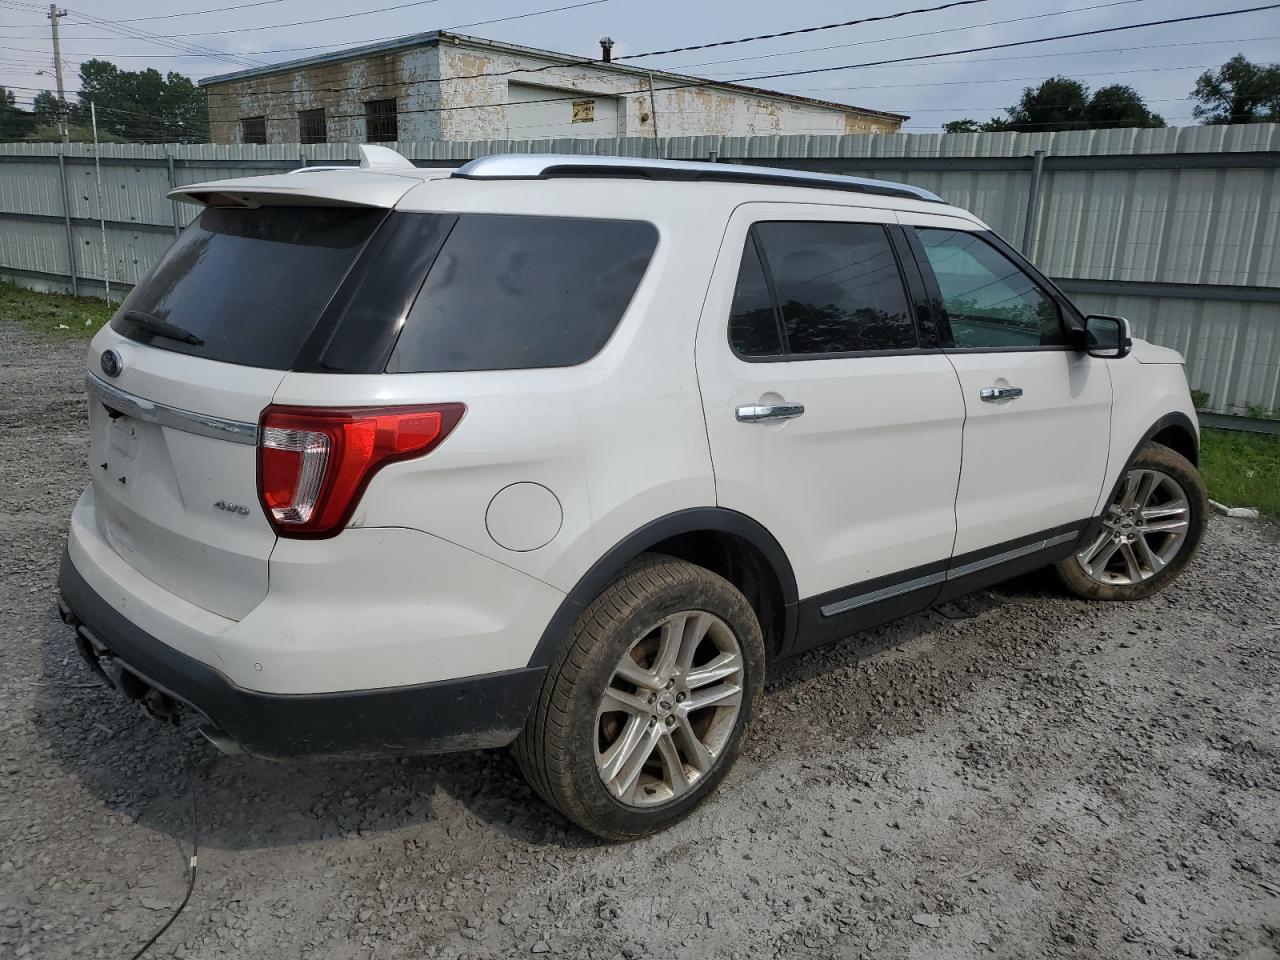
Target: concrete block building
{"type": "Point", "coordinates": [444, 86]}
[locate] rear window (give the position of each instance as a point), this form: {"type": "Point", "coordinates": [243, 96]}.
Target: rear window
{"type": "Point", "coordinates": [251, 284]}
{"type": "Point", "coordinates": [511, 292]}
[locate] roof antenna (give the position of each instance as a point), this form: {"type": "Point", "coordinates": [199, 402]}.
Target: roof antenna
{"type": "Point", "coordinates": [373, 157]}
{"type": "Point", "coordinates": [606, 49]}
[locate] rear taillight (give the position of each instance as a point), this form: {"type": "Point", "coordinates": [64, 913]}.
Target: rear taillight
{"type": "Point", "coordinates": [314, 463]}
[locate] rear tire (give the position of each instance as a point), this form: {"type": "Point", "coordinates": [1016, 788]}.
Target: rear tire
{"type": "Point", "coordinates": [644, 708]}
{"type": "Point", "coordinates": [1151, 530]}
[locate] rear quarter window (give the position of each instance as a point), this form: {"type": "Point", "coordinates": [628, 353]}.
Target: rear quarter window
{"type": "Point", "coordinates": [250, 284]}
{"type": "Point", "coordinates": [513, 292]}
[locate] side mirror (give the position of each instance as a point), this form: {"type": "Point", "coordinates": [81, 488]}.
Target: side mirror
{"type": "Point", "coordinates": [1106, 337]}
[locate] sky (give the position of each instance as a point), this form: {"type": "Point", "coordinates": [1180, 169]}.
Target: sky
{"type": "Point", "coordinates": [1161, 63]}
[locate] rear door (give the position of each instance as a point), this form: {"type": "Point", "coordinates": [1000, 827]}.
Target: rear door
{"type": "Point", "coordinates": [192, 357]}
{"type": "Point", "coordinates": [1038, 413]}
{"type": "Point", "coordinates": [831, 421]}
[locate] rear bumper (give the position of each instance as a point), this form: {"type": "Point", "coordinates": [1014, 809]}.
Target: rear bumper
{"type": "Point", "coordinates": [438, 717]}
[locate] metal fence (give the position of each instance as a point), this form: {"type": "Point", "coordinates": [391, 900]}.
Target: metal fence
{"type": "Point", "coordinates": [1177, 229]}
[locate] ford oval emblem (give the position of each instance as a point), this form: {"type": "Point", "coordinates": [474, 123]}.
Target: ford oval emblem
{"type": "Point", "coordinates": [111, 363]}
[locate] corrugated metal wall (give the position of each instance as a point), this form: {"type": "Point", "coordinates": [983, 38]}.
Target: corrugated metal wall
{"type": "Point", "coordinates": [1177, 229]}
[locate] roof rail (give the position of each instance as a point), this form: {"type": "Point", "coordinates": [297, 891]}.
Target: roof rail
{"type": "Point", "coordinates": [516, 166]}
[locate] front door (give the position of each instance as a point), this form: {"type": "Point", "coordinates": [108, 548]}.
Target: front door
{"type": "Point", "coordinates": [1037, 413]}
{"type": "Point", "coordinates": [830, 422]}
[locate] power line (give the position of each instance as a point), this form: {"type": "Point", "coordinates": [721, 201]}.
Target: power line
{"type": "Point", "coordinates": [136, 33]}
{"type": "Point", "coordinates": [850, 66]}
{"type": "Point", "coordinates": [800, 30]}
{"type": "Point", "coordinates": [301, 23]}
{"type": "Point", "coordinates": [953, 83]}
{"type": "Point", "coordinates": [1076, 53]}
{"type": "Point", "coordinates": [931, 33]}
{"type": "Point", "coordinates": [592, 62]}
{"type": "Point", "coordinates": [897, 60]}
{"type": "Point", "coordinates": [162, 56]}
{"type": "Point", "coordinates": [1021, 43]}
{"type": "Point", "coordinates": [93, 21]}
{"type": "Point", "coordinates": [370, 84]}
{"type": "Point", "coordinates": [885, 86]}
{"type": "Point", "coordinates": [197, 13]}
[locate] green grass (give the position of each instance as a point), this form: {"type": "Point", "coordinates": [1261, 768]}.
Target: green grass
{"type": "Point", "coordinates": [1242, 469]}
{"type": "Point", "coordinates": [72, 318]}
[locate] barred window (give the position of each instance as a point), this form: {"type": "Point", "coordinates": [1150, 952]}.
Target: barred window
{"type": "Point", "coordinates": [380, 121]}
{"type": "Point", "coordinates": [311, 126]}
{"type": "Point", "coordinates": [253, 129]}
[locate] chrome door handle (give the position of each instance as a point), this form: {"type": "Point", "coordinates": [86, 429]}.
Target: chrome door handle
{"type": "Point", "coordinates": [993, 394]}
{"type": "Point", "coordinates": [767, 412]}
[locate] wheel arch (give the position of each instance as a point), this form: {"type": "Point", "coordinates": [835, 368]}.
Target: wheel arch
{"type": "Point", "coordinates": [1174, 430]}
{"type": "Point", "coordinates": [727, 542]}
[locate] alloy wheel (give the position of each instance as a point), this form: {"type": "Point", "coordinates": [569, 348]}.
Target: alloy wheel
{"type": "Point", "coordinates": [669, 709]}
{"type": "Point", "coordinates": [1142, 530]}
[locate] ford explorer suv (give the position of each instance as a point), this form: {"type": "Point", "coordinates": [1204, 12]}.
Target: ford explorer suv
{"type": "Point", "coordinates": [565, 452]}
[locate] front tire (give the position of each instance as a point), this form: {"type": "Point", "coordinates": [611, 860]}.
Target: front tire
{"type": "Point", "coordinates": [1150, 531]}
{"type": "Point", "coordinates": [644, 709]}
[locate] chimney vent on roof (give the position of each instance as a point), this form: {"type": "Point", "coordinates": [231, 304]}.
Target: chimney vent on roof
{"type": "Point", "coordinates": [606, 49]}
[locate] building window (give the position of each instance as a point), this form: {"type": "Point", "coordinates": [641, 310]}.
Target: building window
{"type": "Point", "coordinates": [380, 121]}
{"type": "Point", "coordinates": [311, 126]}
{"type": "Point", "coordinates": [253, 129]}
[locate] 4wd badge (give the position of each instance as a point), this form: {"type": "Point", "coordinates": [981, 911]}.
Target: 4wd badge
{"type": "Point", "coordinates": [232, 508]}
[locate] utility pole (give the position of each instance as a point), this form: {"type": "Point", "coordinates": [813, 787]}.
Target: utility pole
{"type": "Point", "coordinates": [54, 15]}
{"type": "Point", "coordinates": [102, 215]}
{"type": "Point", "coordinates": [653, 112]}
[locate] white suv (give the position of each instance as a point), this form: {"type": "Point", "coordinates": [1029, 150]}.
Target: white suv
{"type": "Point", "coordinates": [564, 451]}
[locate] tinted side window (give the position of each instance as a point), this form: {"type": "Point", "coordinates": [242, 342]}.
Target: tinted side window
{"type": "Point", "coordinates": [990, 301]}
{"type": "Point", "coordinates": [510, 292]}
{"type": "Point", "coordinates": [753, 322]}
{"type": "Point", "coordinates": [838, 286]}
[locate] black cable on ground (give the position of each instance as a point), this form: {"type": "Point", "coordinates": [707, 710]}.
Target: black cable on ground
{"type": "Point", "coordinates": [191, 878]}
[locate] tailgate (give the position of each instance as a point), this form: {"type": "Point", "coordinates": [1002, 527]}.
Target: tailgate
{"type": "Point", "coordinates": [174, 469]}
{"type": "Point", "coordinates": [179, 380]}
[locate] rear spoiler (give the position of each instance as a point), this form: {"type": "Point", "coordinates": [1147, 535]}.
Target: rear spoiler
{"type": "Point", "coordinates": [382, 178]}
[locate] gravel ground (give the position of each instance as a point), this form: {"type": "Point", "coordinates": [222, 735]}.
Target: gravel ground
{"type": "Point", "coordinates": [1017, 775]}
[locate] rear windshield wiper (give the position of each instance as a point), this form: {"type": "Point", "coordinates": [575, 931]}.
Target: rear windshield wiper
{"type": "Point", "coordinates": [163, 328]}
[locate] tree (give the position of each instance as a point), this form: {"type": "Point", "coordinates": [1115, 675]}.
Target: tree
{"type": "Point", "coordinates": [141, 104]}
{"type": "Point", "coordinates": [1120, 106]}
{"type": "Point", "coordinates": [1061, 103]}
{"type": "Point", "coordinates": [15, 123]}
{"type": "Point", "coordinates": [45, 107]}
{"type": "Point", "coordinates": [1238, 92]}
